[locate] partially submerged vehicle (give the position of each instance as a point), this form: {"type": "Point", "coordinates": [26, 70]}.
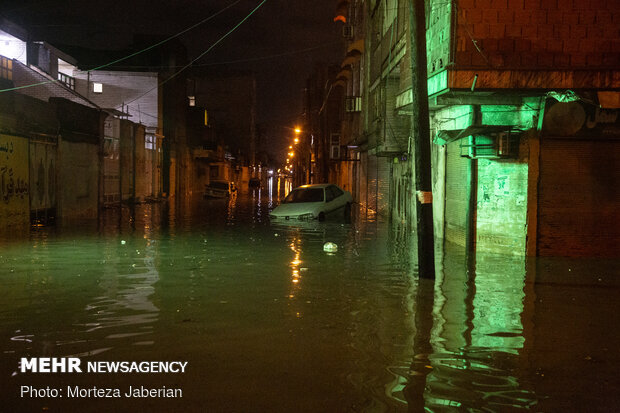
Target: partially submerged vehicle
{"type": "Point", "coordinates": [313, 202]}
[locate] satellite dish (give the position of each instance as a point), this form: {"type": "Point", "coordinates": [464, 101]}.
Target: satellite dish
{"type": "Point", "coordinates": [564, 119]}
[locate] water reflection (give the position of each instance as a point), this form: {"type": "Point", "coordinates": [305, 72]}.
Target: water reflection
{"type": "Point", "coordinates": [268, 321]}
{"type": "Point", "coordinates": [127, 283]}
{"type": "Point", "coordinates": [470, 336]}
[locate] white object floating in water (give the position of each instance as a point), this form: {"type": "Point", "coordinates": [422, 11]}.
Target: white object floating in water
{"type": "Point", "coordinates": [330, 247]}
{"type": "Point", "coordinates": [123, 242]}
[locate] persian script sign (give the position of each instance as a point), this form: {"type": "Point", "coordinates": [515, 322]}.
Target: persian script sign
{"type": "Point", "coordinates": [14, 180]}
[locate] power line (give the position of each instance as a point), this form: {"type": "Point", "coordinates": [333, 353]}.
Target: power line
{"type": "Point", "coordinates": [202, 54]}
{"type": "Point", "coordinates": [250, 59]}
{"type": "Point", "coordinates": [166, 40]}
{"type": "Point", "coordinates": [133, 54]}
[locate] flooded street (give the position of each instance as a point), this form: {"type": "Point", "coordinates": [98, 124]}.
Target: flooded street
{"type": "Point", "coordinates": [267, 321]}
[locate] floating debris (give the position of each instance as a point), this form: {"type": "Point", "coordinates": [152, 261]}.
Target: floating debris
{"type": "Point", "coordinates": [330, 247]}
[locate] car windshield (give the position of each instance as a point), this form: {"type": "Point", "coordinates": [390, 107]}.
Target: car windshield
{"type": "Point", "coordinates": [304, 195]}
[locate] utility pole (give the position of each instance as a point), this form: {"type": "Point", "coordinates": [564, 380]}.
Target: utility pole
{"type": "Point", "coordinates": [421, 140]}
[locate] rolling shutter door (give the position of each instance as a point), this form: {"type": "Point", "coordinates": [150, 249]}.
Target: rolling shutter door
{"type": "Point", "coordinates": [456, 195]}
{"type": "Point", "coordinates": [579, 197]}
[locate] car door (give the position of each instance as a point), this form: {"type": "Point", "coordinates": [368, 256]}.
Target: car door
{"type": "Point", "coordinates": [333, 198]}
{"type": "Point", "coordinates": [339, 198]}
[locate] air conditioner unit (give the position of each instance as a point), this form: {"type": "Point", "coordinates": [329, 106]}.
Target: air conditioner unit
{"type": "Point", "coordinates": [347, 31]}
{"type": "Point", "coordinates": [492, 146]}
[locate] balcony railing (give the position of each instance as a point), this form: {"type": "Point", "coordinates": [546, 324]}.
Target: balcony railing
{"type": "Point", "coordinates": [67, 80]}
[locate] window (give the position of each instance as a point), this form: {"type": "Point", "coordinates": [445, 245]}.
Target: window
{"type": "Point", "coordinates": [6, 68]}
{"type": "Point", "coordinates": [192, 100]}
{"type": "Point", "coordinates": [337, 192]}
{"type": "Point", "coordinates": [332, 192]}
{"type": "Point", "coordinates": [149, 142]}
{"type": "Point", "coordinates": [97, 87]}
{"type": "Point", "coordinates": [304, 195]}
{"type": "Point", "coordinates": [334, 147]}
{"type": "Point", "coordinates": [329, 194]}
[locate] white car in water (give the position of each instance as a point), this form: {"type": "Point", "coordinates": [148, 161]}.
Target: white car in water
{"type": "Point", "coordinates": [313, 202]}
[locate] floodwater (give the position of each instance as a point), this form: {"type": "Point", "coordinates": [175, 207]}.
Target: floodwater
{"type": "Point", "coordinates": [269, 322]}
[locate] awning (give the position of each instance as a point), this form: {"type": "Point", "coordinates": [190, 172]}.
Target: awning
{"type": "Point", "coordinates": [339, 83]}
{"type": "Point", "coordinates": [345, 73]}
{"type": "Point", "coordinates": [356, 48]}
{"type": "Point", "coordinates": [349, 60]}
{"type": "Point", "coordinates": [342, 11]}
{"type": "Point", "coordinates": [446, 136]}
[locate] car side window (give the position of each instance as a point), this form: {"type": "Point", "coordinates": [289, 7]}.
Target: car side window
{"type": "Point", "coordinates": [329, 194]}
{"type": "Point", "coordinates": [337, 192]}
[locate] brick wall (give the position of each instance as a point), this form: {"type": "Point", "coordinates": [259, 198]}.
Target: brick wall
{"type": "Point", "coordinates": [538, 34]}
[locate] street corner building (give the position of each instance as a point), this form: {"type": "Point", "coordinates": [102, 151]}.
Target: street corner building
{"type": "Point", "coordinates": [524, 105]}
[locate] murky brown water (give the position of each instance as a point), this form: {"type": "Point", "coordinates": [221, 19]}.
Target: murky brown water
{"type": "Point", "coordinates": [269, 322]}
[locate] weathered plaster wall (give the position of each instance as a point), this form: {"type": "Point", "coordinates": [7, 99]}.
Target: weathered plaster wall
{"type": "Point", "coordinates": [501, 206]}
{"type": "Point", "coordinates": [14, 181]}
{"type": "Point", "coordinates": [78, 180]}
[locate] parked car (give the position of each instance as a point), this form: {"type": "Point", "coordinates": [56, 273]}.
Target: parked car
{"type": "Point", "coordinates": [220, 189]}
{"type": "Point", "coordinates": [313, 202]}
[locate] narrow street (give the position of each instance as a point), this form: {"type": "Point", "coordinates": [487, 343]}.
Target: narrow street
{"type": "Point", "coordinates": [268, 321]}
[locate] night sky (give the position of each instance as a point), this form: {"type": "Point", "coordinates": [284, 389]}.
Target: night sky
{"type": "Point", "coordinates": [281, 42]}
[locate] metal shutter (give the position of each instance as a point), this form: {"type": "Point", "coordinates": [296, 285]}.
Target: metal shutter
{"type": "Point", "coordinates": [457, 179]}
{"type": "Point", "coordinates": [579, 199]}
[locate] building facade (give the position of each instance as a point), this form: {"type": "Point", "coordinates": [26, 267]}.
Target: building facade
{"type": "Point", "coordinates": [524, 99]}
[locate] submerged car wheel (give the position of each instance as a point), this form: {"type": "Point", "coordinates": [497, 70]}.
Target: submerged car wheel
{"type": "Point", "coordinates": [322, 216]}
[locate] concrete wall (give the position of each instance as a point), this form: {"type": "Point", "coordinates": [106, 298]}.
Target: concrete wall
{"type": "Point", "coordinates": [501, 206]}
{"type": "Point", "coordinates": [127, 161]}
{"type": "Point", "coordinates": [135, 93]}
{"type": "Point", "coordinates": [14, 181]}
{"type": "Point", "coordinates": [143, 164]}
{"type": "Point", "coordinates": [43, 169]}
{"type": "Point", "coordinates": [79, 179]}
{"type": "Point", "coordinates": [111, 161]}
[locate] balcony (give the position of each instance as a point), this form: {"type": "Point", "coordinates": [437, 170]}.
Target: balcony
{"type": "Point", "coordinates": [67, 80]}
